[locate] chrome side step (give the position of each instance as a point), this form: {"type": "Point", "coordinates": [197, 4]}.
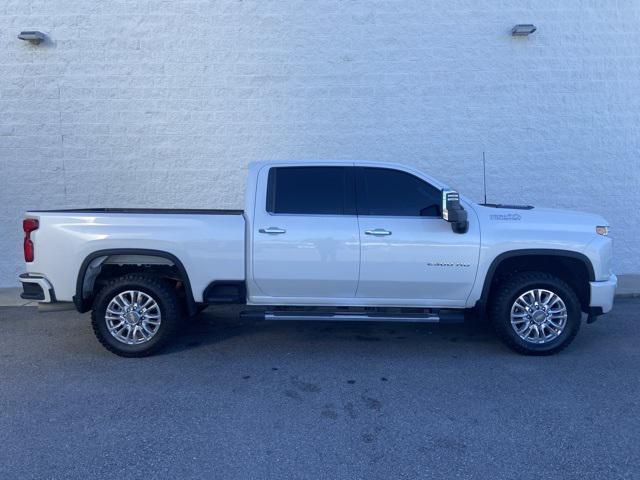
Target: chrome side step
{"type": "Point", "coordinates": [448, 316]}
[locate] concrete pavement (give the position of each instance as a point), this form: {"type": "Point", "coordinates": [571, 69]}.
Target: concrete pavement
{"type": "Point", "coordinates": [240, 400]}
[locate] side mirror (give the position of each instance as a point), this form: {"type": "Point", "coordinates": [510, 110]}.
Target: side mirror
{"type": "Point", "coordinates": [453, 212]}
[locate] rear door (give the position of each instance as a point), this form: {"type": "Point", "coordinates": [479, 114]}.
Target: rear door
{"type": "Point", "coordinates": [409, 254]}
{"type": "Point", "coordinates": [305, 234]}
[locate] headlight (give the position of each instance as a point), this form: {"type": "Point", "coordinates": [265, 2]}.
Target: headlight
{"type": "Point", "coordinates": [602, 230]}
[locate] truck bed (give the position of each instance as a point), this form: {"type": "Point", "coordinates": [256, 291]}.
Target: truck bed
{"type": "Point", "coordinates": [209, 244]}
{"type": "Point", "coordinates": [181, 211]}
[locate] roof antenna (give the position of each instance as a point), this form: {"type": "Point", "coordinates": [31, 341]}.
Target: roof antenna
{"type": "Point", "coordinates": [484, 177]}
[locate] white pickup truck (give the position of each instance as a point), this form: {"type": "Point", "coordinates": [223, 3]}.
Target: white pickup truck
{"type": "Point", "coordinates": [326, 241]}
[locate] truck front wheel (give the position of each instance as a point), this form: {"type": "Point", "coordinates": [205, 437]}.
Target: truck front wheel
{"type": "Point", "coordinates": [135, 315]}
{"type": "Point", "coordinates": [535, 313]}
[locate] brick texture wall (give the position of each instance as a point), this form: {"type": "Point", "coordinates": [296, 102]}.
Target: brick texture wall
{"type": "Point", "coordinates": [163, 103]}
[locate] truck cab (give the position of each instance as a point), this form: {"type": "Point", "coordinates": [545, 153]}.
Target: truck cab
{"type": "Point", "coordinates": [355, 234]}
{"type": "Point", "coordinates": [327, 240]}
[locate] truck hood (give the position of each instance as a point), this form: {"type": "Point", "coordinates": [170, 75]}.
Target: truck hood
{"type": "Point", "coordinates": [558, 215]}
{"type": "Point", "coordinates": [543, 218]}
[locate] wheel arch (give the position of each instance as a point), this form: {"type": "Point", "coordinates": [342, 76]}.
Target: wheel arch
{"type": "Point", "coordinates": [91, 266]}
{"type": "Point", "coordinates": [519, 258]}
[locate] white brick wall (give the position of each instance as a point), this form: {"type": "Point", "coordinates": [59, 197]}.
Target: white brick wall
{"type": "Point", "coordinates": [164, 102]}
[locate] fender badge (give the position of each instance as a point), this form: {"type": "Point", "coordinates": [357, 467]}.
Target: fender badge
{"type": "Point", "coordinates": [506, 216]}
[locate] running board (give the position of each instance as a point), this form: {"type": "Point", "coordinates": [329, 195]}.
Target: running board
{"type": "Point", "coordinates": [440, 317]}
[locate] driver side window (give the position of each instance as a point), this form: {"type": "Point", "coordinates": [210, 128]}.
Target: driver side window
{"type": "Point", "coordinates": [387, 192]}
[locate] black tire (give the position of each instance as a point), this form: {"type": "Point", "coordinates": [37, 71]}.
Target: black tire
{"type": "Point", "coordinates": [506, 293]}
{"type": "Point", "coordinates": [164, 295]}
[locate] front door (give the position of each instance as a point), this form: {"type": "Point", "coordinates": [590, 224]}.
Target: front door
{"type": "Point", "coordinates": [409, 254]}
{"type": "Point", "coordinates": [306, 245]}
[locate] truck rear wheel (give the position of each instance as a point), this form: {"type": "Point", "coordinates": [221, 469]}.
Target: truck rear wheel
{"type": "Point", "coordinates": [535, 313]}
{"type": "Point", "coordinates": [136, 315]}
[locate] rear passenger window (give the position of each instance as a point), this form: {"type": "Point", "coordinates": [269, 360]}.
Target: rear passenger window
{"type": "Point", "coordinates": [387, 192]}
{"type": "Point", "coordinates": [311, 190]}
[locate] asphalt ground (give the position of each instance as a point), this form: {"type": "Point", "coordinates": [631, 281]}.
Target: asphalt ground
{"type": "Point", "coordinates": [236, 399]}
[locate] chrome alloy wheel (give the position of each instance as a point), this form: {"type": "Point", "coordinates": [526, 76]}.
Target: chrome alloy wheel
{"type": "Point", "coordinates": [538, 316]}
{"type": "Point", "coordinates": [133, 317]}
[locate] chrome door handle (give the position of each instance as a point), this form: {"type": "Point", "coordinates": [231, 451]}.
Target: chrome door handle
{"type": "Point", "coordinates": [378, 232]}
{"type": "Point", "coordinates": [272, 230]}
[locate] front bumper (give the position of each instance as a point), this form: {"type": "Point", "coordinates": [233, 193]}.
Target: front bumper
{"type": "Point", "coordinates": [36, 287]}
{"type": "Point", "coordinates": [602, 294]}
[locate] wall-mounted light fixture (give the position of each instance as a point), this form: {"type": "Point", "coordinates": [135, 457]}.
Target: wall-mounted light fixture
{"type": "Point", "coordinates": [522, 30]}
{"type": "Point", "coordinates": [33, 37]}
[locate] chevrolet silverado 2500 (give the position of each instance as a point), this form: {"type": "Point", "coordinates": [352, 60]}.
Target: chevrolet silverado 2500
{"type": "Point", "coordinates": [326, 241]}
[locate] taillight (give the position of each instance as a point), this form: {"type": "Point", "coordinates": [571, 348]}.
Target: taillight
{"type": "Point", "coordinates": [29, 225]}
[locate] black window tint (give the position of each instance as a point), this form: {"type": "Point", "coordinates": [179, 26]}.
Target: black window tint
{"type": "Point", "coordinates": [383, 191]}
{"type": "Point", "coordinates": [311, 190]}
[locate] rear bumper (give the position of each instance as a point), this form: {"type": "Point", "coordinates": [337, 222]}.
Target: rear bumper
{"type": "Point", "coordinates": [602, 294]}
{"type": "Point", "coordinates": [36, 287]}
